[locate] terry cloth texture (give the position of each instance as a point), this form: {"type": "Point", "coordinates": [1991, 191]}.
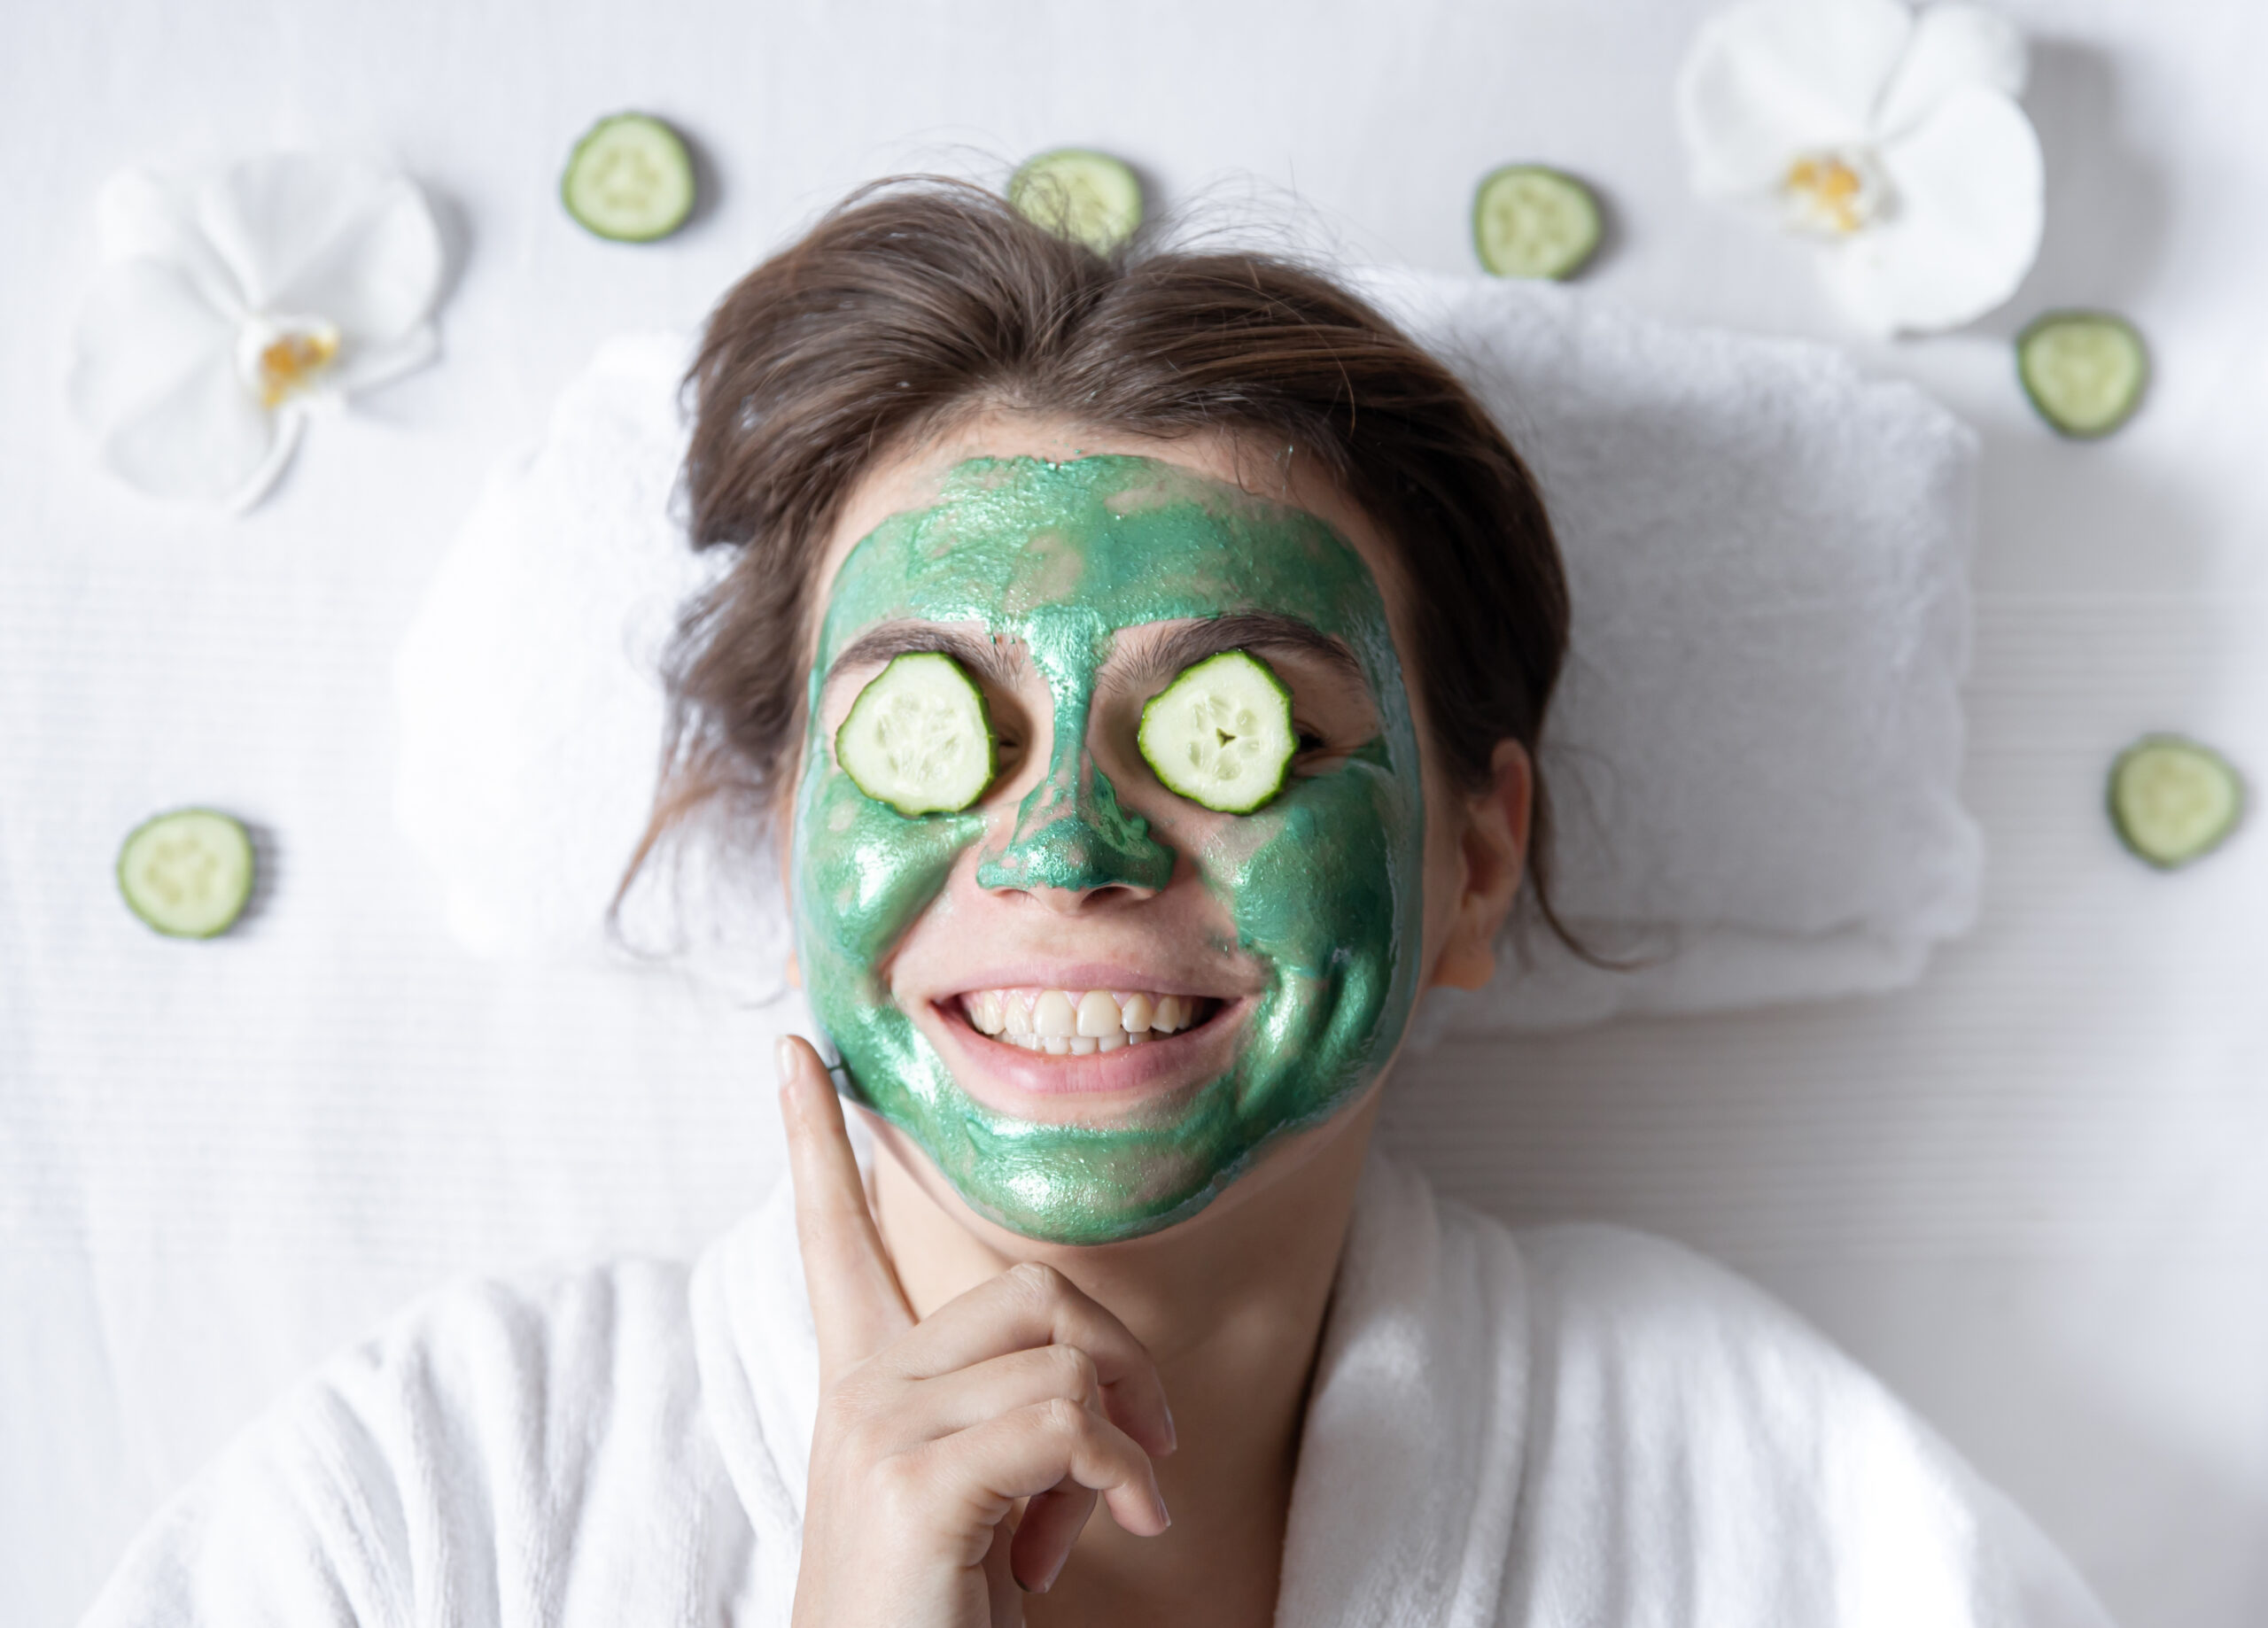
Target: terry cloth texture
{"type": "Point", "coordinates": [1580, 1426]}
{"type": "Point", "coordinates": [1756, 751]}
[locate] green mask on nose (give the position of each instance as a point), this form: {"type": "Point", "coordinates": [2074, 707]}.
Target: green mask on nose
{"type": "Point", "coordinates": [1324, 883]}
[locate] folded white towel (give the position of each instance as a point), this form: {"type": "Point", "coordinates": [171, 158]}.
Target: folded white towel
{"type": "Point", "coordinates": [1754, 759]}
{"type": "Point", "coordinates": [532, 710]}
{"type": "Point", "coordinates": [1756, 751]}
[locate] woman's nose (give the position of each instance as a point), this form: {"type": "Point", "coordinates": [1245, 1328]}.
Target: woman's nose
{"type": "Point", "coordinates": [1075, 848]}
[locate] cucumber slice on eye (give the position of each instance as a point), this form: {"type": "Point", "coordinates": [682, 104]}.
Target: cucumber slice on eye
{"type": "Point", "coordinates": [1220, 734]}
{"type": "Point", "coordinates": [1531, 221]}
{"type": "Point", "coordinates": [918, 737]}
{"type": "Point", "coordinates": [629, 178]}
{"type": "Point", "coordinates": [187, 873]}
{"type": "Point", "coordinates": [1090, 198]}
{"type": "Point", "coordinates": [2173, 801]}
{"type": "Point", "coordinates": [2083, 370]}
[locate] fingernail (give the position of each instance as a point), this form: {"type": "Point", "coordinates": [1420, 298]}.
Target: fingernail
{"type": "Point", "coordinates": [1053, 1572]}
{"type": "Point", "coordinates": [1173, 1436]}
{"type": "Point", "coordinates": [784, 1059]}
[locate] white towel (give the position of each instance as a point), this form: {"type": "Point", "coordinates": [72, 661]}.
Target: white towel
{"type": "Point", "coordinates": [1754, 758]}
{"type": "Point", "coordinates": [1756, 750]}
{"type": "Point", "coordinates": [531, 708]}
{"type": "Point", "coordinates": [1581, 1425]}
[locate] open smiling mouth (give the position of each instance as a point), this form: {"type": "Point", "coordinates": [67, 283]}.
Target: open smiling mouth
{"type": "Point", "coordinates": [1081, 1023]}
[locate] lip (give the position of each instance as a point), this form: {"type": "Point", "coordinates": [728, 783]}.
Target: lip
{"type": "Point", "coordinates": [1099, 1086]}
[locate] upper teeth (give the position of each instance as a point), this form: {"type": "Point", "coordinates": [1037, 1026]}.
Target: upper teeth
{"type": "Point", "coordinates": [1071, 1022]}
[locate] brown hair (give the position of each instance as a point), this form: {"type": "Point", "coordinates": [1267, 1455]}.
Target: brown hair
{"type": "Point", "coordinates": [920, 300]}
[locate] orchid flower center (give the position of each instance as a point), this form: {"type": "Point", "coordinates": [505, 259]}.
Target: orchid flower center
{"type": "Point", "coordinates": [1836, 193]}
{"type": "Point", "coordinates": [282, 358]}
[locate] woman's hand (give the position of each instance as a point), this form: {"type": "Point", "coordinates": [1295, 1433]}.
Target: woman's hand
{"type": "Point", "coordinates": [928, 1433]}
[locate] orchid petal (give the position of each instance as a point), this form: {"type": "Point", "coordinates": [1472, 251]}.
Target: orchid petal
{"type": "Point", "coordinates": [1770, 79]}
{"type": "Point", "coordinates": [344, 239]}
{"type": "Point", "coordinates": [286, 426]}
{"type": "Point", "coordinates": [141, 216]}
{"type": "Point", "coordinates": [1954, 45]}
{"type": "Point", "coordinates": [1970, 186]}
{"type": "Point", "coordinates": [207, 438]}
{"type": "Point", "coordinates": [379, 282]}
{"type": "Point", "coordinates": [371, 366]}
{"type": "Point", "coordinates": [146, 329]}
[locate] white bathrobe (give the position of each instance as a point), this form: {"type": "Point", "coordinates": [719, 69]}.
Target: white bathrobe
{"type": "Point", "coordinates": [1578, 1428]}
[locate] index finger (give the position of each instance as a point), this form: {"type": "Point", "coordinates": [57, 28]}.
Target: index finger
{"type": "Point", "coordinates": [857, 1304]}
{"type": "Point", "coordinates": [1032, 1304]}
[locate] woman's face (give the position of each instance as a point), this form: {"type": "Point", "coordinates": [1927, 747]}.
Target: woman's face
{"type": "Point", "coordinates": [1229, 978]}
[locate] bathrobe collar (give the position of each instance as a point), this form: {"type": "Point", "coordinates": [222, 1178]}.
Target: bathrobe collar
{"type": "Point", "coordinates": [1409, 1460]}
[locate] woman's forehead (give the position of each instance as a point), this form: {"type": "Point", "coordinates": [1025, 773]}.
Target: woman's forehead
{"type": "Point", "coordinates": [913, 476]}
{"type": "Point", "coordinates": [1239, 465]}
{"type": "Point", "coordinates": [1049, 551]}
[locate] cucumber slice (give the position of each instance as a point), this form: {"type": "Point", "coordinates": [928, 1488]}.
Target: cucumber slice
{"type": "Point", "coordinates": [187, 873]}
{"type": "Point", "coordinates": [2083, 370]}
{"type": "Point", "coordinates": [1531, 221]}
{"type": "Point", "coordinates": [629, 178]}
{"type": "Point", "coordinates": [918, 737]}
{"type": "Point", "coordinates": [2173, 800]}
{"type": "Point", "coordinates": [1220, 734]}
{"type": "Point", "coordinates": [1090, 198]}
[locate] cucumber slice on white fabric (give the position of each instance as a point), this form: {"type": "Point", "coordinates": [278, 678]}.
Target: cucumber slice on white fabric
{"type": "Point", "coordinates": [918, 737]}
{"type": "Point", "coordinates": [629, 178]}
{"type": "Point", "coordinates": [1220, 734]}
{"type": "Point", "coordinates": [2173, 800]}
{"type": "Point", "coordinates": [187, 873]}
{"type": "Point", "coordinates": [1090, 198]}
{"type": "Point", "coordinates": [1532, 222]}
{"type": "Point", "coordinates": [2083, 370]}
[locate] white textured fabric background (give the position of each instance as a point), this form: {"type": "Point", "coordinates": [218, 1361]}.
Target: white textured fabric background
{"type": "Point", "coordinates": [2026, 1191]}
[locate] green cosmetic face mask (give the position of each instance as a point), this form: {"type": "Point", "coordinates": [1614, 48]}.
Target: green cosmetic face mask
{"type": "Point", "coordinates": [1324, 883]}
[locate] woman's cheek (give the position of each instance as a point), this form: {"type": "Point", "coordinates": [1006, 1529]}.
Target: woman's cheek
{"type": "Point", "coordinates": [1325, 888]}
{"type": "Point", "coordinates": [864, 875]}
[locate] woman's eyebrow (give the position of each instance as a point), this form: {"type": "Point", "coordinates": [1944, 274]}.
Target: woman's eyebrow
{"type": "Point", "coordinates": [982, 656]}
{"type": "Point", "coordinates": [1185, 647]}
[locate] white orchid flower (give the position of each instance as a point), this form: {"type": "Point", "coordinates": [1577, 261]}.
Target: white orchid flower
{"type": "Point", "coordinates": [228, 307]}
{"type": "Point", "coordinates": [1891, 135]}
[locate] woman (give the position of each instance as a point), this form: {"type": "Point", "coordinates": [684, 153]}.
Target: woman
{"type": "Point", "coordinates": [1140, 665]}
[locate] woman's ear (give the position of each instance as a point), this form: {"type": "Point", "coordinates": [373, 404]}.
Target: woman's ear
{"type": "Point", "coordinates": [1492, 853]}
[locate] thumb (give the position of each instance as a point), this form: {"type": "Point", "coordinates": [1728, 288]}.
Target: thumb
{"type": "Point", "coordinates": [857, 1304]}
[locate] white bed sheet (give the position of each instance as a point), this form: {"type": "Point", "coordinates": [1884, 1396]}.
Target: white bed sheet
{"type": "Point", "coordinates": [2027, 1190]}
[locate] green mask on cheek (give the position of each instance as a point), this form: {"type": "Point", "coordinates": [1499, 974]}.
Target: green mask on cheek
{"type": "Point", "coordinates": [1324, 883]}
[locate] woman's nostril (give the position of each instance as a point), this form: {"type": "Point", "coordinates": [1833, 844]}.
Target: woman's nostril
{"type": "Point", "coordinates": [1120, 893]}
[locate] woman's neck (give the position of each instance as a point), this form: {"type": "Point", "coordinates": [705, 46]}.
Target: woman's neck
{"type": "Point", "coordinates": [1231, 1307]}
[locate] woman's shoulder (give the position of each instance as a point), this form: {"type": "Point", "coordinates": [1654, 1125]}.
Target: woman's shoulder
{"type": "Point", "coordinates": [480, 1338]}
{"type": "Point", "coordinates": [1636, 1292]}
{"type": "Point", "coordinates": [466, 1451]}
{"type": "Point", "coordinates": [1635, 1340]}
{"type": "Point", "coordinates": [569, 1364]}
{"type": "Point", "coordinates": [1688, 1429]}
{"type": "Point", "coordinates": [1638, 1341]}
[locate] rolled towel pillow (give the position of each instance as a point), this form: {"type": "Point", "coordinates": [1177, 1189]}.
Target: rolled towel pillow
{"type": "Point", "coordinates": [1755, 754]}
{"type": "Point", "coordinates": [531, 705]}
{"type": "Point", "coordinates": [1754, 758]}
